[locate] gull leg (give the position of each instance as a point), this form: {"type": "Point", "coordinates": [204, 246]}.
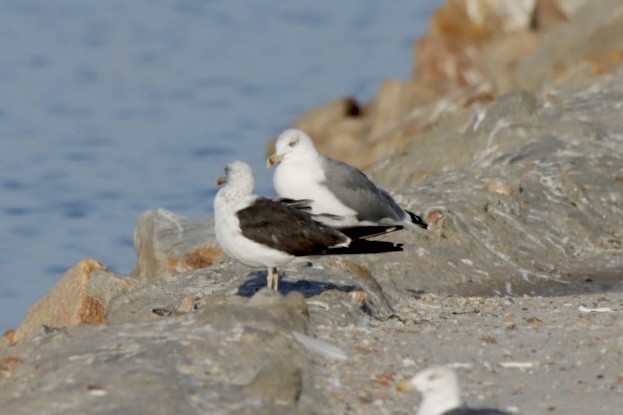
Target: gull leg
{"type": "Point", "coordinates": [272, 278]}
{"type": "Point", "coordinates": [276, 279]}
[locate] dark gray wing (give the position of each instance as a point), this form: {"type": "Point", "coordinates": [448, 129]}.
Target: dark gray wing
{"type": "Point", "coordinates": [285, 228]}
{"type": "Point", "coordinates": [291, 230]}
{"type": "Point", "coordinates": [355, 190]}
{"type": "Point", "coordinates": [305, 205]}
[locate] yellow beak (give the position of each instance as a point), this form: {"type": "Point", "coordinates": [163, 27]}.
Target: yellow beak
{"type": "Point", "coordinates": [221, 181]}
{"type": "Point", "coordinates": [405, 386]}
{"type": "Point", "coordinates": [273, 159]}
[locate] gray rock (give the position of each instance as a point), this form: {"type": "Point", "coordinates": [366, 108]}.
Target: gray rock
{"type": "Point", "coordinates": [279, 382]}
{"type": "Point", "coordinates": [167, 243]}
{"type": "Point", "coordinates": [216, 360]}
{"type": "Point", "coordinates": [106, 285]}
{"type": "Point", "coordinates": [530, 204]}
{"type": "Point", "coordinates": [271, 312]}
{"type": "Point", "coordinates": [592, 34]}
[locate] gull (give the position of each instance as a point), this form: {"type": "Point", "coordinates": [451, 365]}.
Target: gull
{"type": "Point", "coordinates": [441, 395]}
{"type": "Point", "coordinates": [261, 232]}
{"type": "Point", "coordinates": [341, 195]}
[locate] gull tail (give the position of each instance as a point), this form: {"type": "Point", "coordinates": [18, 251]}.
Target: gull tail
{"type": "Point", "coordinates": [417, 220]}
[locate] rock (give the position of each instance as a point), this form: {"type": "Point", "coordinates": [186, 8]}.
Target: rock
{"type": "Point", "coordinates": [8, 337]}
{"type": "Point", "coordinates": [315, 121]}
{"type": "Point", "coordinates": [451, 145]}
{"type": "Point", "coordinates": [501, 56]}
{"type": "Point", "coordinates": [347, 141]}
{"type": "Point", "coordinates": [7, 364]}
{"type": "Point", "coordinates": [590, 42]}
{"type": "Point", "coordinates": [550, 13]}
{"type": "Point", "coordinates": [218, 358]}
{"type": "Point", "coordinates": [473, 52]}
{"type": "Point", "coordinates": [394, 100]}
{"type": "Point", "coordinates": [337, 128]}
{"type": "Point", "coordinates": [279, 382]}
{"type": "Point", "coordinates": [151, 299]}
{"type": "Point", "coordinates": [167, 243]}
{"type": "Point", "coordinates": [328, 282]}
{"type": "Point", "coordinates": [267, 310]}
{"type": "Point", "coordinates": [371, 296]}
{"type": "Point", "coordinates": [477, 22]}
{"type": "Point", "coordinates": [524, 206]}
{"type": "Point", "coordinates": [449, 54]}
{"type": "Point", "coordinates": [69, 303]}
{"type": "Point", "coordinates": [106, 285]}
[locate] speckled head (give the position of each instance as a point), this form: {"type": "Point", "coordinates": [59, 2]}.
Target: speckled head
{"type": "Point", "coordinates": [238, 176]}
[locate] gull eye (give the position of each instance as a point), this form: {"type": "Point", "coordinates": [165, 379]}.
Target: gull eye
{"type": "Point", "coordinates": [293, 143]}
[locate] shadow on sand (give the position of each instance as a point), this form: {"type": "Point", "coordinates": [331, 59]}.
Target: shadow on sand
{"type": "Point", "coordinates": [309, 288]}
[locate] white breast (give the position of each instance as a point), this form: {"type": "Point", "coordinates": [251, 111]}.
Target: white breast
{"type": "Point", "coordinates": [299, 180]}
{"type": "Point", "coordinates": [230, 238]}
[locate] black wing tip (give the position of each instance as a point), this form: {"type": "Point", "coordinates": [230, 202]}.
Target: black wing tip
{"type": "Point", "coordinates": [365, 246]}
{"type": "Point", "coordinates": [417, 220]}
{"type": "Point", "coordinates": [362, 232]}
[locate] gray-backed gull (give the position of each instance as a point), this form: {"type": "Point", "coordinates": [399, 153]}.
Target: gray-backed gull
{"type": "Point", "coordinates": [336, 189]}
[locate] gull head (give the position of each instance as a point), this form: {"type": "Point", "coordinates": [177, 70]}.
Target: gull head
{"type": "Point", "coordinates": [291, 144]}
{"type": "Point", "coordinates": [439, 386]}
{"type": "Point", "coordinates": [238, 175]}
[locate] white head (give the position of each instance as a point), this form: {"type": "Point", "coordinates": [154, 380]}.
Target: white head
{"type": "Point", "coordinates": [439, 386]}
{"type": "Point", "coordinates": [292, 144]}
{"type": "Point", "coordinates": [238, 180]}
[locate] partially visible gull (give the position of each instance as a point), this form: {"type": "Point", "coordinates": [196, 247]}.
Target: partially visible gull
{"type": "Point", "coordinates": [339, 191]}
{"type": "Point", "coordinates": [441, 395]}
{"type": "Point", "coordinates": [260, 232]}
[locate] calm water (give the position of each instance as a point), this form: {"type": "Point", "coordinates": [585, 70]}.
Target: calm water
{"type": "Point", "coordinates": [109, 109]}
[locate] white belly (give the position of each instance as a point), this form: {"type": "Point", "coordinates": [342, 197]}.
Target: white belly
{"type": "Point", "coordinates": [230, 238]}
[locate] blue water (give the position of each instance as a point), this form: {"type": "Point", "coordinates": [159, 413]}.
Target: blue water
{"type": "Point", "coordinates": [111, 108]}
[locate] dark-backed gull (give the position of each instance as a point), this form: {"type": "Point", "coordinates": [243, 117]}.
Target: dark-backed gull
{"type": "Point", "coordinates": [337, 190]}
{"type": "Point", "coordinates": [260, 232]}
{"type": "Point", "coordinates": [441, 395]}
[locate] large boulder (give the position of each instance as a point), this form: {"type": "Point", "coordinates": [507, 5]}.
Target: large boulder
{"type": "Point", "coordinates": [525, 193]}
{"type": "Point", "coordinates": [81, 296]}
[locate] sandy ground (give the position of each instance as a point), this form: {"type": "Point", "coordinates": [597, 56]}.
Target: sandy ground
{"type": "Point", "coordinates": [523, 355]}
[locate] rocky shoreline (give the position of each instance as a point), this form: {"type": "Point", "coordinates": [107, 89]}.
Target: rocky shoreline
{"type": "Point", "coordinates": [518, 283]}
